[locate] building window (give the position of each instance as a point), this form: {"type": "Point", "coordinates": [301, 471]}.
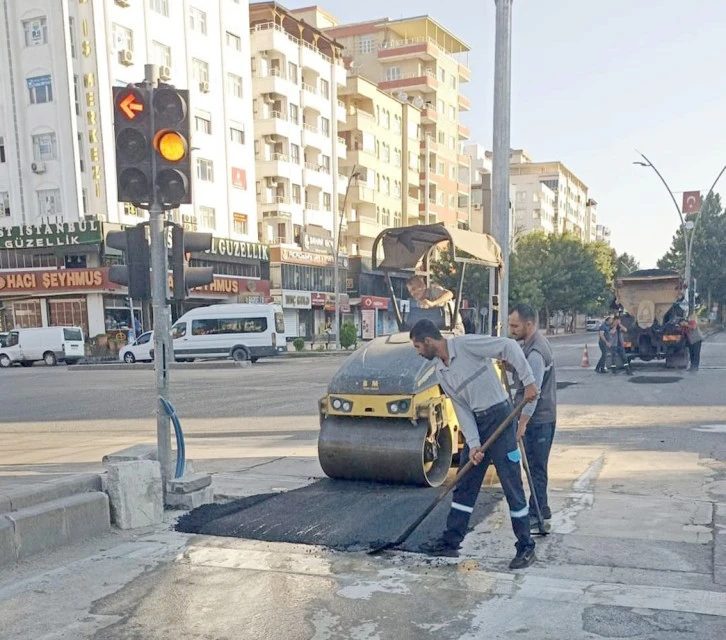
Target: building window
{"type": "Point", "coordinates": [367, 44]}
{"type": "Point", "coordinates": [292, 72]}
{"type": "Point", "coordinates": [44, 147]}
{"type": "Point", "coordinates": [397, 157]}
{"type": "Point", "coordinates": [84, 201]}
{"type": "Point", "coordinates": [160, 6]}
{"type": "Point", "coordinates": [296, 194]}
{"type": "Point", "coordinates": [200, 70]}
{"type": "Point", "coordinates": [203, 124]}
{"type": "Point", "coordinates": [36, 31]}
{"type": "Point", "coordinates": [77, 94]}
{"type": "Point", "coordinates": [387, 119]}
{"type": "Point", "coordinates": [207, 217]}
{"type": "Point", "coordinates": [396, 124]}
{"type": "Point", "coordinates": [237, 135]}
{"type": "Point", "coordinates": [2, 149]}
{"type": "Point", "coordinates": [234, 42]}
{"type": "Point", "coordinates": [325, 127]}
{"type": "Point", "coordinates": [324, 88]}
{"type": "Point", "coordinates": [327, 202]}
{"type": "Point", "coordinates": [442, 137]}
{"type": "Point", "coordinates": [234, 84]}
{"type": "Point", "coordinates": [123, 38]}
{"type": "Point", "coordinates": [393, 73]}
{"type": "Point", "coordinates": [442, 75]}
{"type": "Point", "coordinates": [81, 153]}
{"type": "Point", "coordinates": [161, 54]}
{"type": "Point", "coordinates": [295, 153]}
{"type": "Point", "coordinates": [205, 170]}
{"type": "Point", "coordinates": [49, 202]}
{"type": "Point", "coordinates": [452, 112]}
{"type": "Point", "coordinates": [397, 189]}
{"type": "Point", "coordinates": [441, 168]}
{"type": "Point", "coordinates": [72, 32]}
{"type": "Point", "coordinates": [325, 163]}
{"type": "Point", "coordinates": [5, 204]}
{"type": "Point", "coordinates": [294, 113]}
{"type": "Point", "coordinates": [198, 20]}
{"type": "Point", "coordinates": [452, 80]}
{"type": "Point", "coordinates": [240, 223]}
{"type": "Point", "coordinates": [40, 89]}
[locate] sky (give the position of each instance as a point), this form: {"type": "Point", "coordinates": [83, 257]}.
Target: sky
{"type": "Point", "coordinates": [592, 81]}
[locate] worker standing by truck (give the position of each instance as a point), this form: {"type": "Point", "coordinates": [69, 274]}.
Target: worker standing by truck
{"type": "Point", "coordinates": [695, 340]}
{"type": "Point", "coordinates": [604, 343]}
{"type": "Point", "coordinates": [466, 373]}
{"type": "Point", "coordinates": [617, 347]}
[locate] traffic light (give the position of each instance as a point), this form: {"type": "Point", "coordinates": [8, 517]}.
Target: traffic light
{"type": "Point", "coordinates": [184, 277]}
{"type": "Point", "coordinates": [135, 274]}
{"type": "Point", "coordinates": [171, 144]}
{"type": "Point", "coordinates": [132, 122]}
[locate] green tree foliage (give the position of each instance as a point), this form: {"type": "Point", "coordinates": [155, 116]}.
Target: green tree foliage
{"type": "Point", "coordinates": [447, 273]}
{"type": "Point", "coordinates": [625, 264]}
{"type": "Point", "coordinates": [709, 251]}
{"type": "Point", "coordinates": [348, 335]}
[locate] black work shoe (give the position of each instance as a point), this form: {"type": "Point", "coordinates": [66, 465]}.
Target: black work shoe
{"type": "Point", "coordinates": [523, 559]}
{"type": "Point", "coordinates": [534, 524]}
{"type": "Point", "coordinates": [440, 548]}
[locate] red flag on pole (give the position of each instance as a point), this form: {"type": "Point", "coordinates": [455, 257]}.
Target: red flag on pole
{"type": "Point", "coordinates": [691, 201]}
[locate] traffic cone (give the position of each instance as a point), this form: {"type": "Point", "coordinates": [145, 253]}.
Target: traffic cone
{"type": "Point", "coordinates": [585, 358]}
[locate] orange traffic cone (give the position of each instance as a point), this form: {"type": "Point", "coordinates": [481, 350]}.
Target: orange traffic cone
{"type": "Point", "coordinates": [585, 358]}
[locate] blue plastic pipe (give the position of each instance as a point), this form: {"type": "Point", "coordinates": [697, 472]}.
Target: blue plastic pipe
{"type": "Point", "coordinates": [180, 449]}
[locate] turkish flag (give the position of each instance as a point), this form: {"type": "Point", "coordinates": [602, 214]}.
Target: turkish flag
{"type": "Point", "coordinates": [691, 201]}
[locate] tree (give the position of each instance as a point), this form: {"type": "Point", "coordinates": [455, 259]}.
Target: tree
{"type": "Point", "coordinates": [625, 264]}
{"type": "Point", "coordinates": [709, 251]}
{"type": "Point", "coordinates": [447, 273]}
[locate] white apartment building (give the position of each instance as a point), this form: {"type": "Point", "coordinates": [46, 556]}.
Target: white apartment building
{"type": "Point", "coordinates": [603, 234]}
{"type": "Point", "coordinates": [57, 160]}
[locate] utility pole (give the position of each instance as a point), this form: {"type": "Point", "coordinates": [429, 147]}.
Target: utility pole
{"type": "Point", "coordinates": [500, 147]}
{"type": "Point", "coordinates": [336, 234]}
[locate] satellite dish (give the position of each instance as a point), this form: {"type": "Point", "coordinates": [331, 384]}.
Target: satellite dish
{"type": "Point", "coordinates": [355, 65]}
{"type": "Point", "coordinates": [418, 102]}
{"type": "Point", "coordinates": [403, 97]}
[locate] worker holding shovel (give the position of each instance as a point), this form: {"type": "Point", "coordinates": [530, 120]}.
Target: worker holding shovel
{"type": "Point", "coordinates": [466, 373]}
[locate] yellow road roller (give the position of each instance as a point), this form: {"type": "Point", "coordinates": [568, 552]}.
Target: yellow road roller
{"type": "Point", "coordinates": [385, 418]}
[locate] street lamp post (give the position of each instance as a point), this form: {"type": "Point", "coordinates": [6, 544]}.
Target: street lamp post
{"type": "Point", "coordinates": [689, 227]}
{"type": "Point", "coordinates": [338, 229]}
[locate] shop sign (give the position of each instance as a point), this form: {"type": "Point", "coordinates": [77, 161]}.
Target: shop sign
{"type": "Point", "coordinates": [296, 299]}
{"type": "Point", "coordinates": [373, 302]}
{"type": "Point", "coordinates": [317, 243]}
{"type": "Point", "coordinates": [368, 324]}
{"type": "Point", "coordinates": [55, 281]}
{"type": "Point", "coordinates": [227, 286]}
{"type": "Point", "coordinates": [296, 256]}
{"type": "Point", "coordinates": [39, 236]}
{"type": "Point", "coordinates": [240, 249]}
{"type": "Point", "coordinates": [344, 302]}
{"type": "Point", "coordinates": [317, 299]}
{"type": "Point", "coordinates": [239, 178]}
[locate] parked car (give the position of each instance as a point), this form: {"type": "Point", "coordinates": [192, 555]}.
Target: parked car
{"type": "Point", "coordinates": [49, 344]}
{"type": "Point", "coordinates": [593, 324]}
{"type": "Point", "coordinates": [139, 350]}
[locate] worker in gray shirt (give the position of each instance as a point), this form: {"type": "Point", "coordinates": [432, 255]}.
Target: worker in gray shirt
{"type": "Point", "coordinates": [466, 373]}
{"type": "Point", "coordinates": [538, 420]}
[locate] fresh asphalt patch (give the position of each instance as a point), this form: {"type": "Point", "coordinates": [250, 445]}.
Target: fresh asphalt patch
{"type": "Point", "coordinates": [654, 379]}
{"type": "Point", "coordinates": [339, 514]}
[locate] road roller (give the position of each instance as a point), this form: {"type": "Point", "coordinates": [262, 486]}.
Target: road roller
{"type": "Point", "coordinates": [385, 418]}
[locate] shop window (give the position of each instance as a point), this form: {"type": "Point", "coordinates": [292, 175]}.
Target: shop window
{"type": "Point", "coordinates": [26, 314]}
{"type": "Point", "coordinates": [68, 313]}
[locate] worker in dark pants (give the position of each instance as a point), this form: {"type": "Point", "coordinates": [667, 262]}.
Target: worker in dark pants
{"type": "Point", "coordinates": [538, 420]}
{"type": "Point", "coordinates": [465, 371]}
{"type": "Point", "coordinates": [694, 340]}
{"type": "Point", "coordinates": [604, 343]}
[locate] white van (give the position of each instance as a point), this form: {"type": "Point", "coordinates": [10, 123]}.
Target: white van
{"type": "Point", "coordinates": [237, 331]}
{"type": "Point", "coordinates": [50, 344]}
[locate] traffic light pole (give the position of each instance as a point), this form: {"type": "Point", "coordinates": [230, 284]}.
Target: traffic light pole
{"type": "Point", "coordinates": [160, 306]}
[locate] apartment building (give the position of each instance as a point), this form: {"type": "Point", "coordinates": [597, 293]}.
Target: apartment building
{"type": "Point", "coordinates": [57, 166]}
{"type": "Point", "coordinates": [602, 234]}
{"type": "Point", "coordinates": [382, 134]}
{"type": "Point", "coordinates": [420, 61]}
{"type": "Point", "coordinates": [298, 72]}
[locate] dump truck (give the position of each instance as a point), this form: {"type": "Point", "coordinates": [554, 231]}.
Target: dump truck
{"type": "Point", "coordinates": [652, 315]}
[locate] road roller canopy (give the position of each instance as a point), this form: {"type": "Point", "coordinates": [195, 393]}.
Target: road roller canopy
{"type": "Point", "coordinates": [404, 247]}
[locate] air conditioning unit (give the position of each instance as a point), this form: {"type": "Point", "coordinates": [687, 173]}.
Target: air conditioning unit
{"type": "Point", "coordinates": [164, 72]}
{"type": "Point", "coordinates": [272, 182]}
{"type": "Point", "coordinates": [204, 86]}
{"type": "Point", "coordinates": [477, 205]}
{"type": "Point", "coordinates": [269, 99]}
{"type": "Point", "coordinates": [99, 217]}
{"type": "Point", "coordinates": [126, 57]}
{"type": "Point", "coordinates": [122, 3]}
{"type": "Point", "coordinates": [38, 167]}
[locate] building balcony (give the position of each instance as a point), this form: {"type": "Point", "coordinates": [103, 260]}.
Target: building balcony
{"type": "Point", "coordinates": [316, 60]}
{"type": "Point", "coordinates": [361, 157]}
{"type": "Point", "coordinates": [312, 137]}
{"type": "Point", "coordinates": [275, 81]}
{"type": "Point", "coordinates": [360, 120]}
{"type": "Point", "coordinates": [464, 132]}
{"type": "Point", "coordinates": [342, 149]}
{"type": "Point", "coordinates": [272, 37]}
{"type": "Point", "coordinates": [429, 115]}
{"type": "Point", "coordinates": [279, 164]}
{"type": "Point", "coordinates": [316, 176]}
{"type": "Point", "coordinates": [340, 111]}
{"type": "Point", "coordinates": [282, 205]}
{"type": "Point", "coordinates": [361, 193]}
{"type": "Point", "coordinates": [311, 99]}
{"type": "Point", "coordinates": [364, 227]}
{"type": "Point", "coordinates": [424, 81]}
{"type": "Point", "coordinates": [412, 210]}
{"type": "Point", "coordinates": [274, 124]}
{"type": "Point", "coordinates": [464, 73]}
{"type": "Point", "coordinates": [431, 143]}
{"type": "Point", "coordinates": [464, 103]}
{"type": "Point", "coordinates": [417, 48]}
